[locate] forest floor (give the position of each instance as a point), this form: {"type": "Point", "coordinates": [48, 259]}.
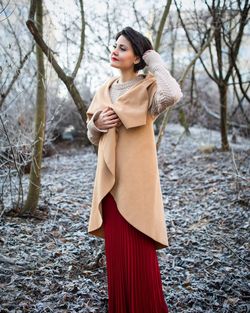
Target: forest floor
{"type": "Point", "coordinates": [53, 265]}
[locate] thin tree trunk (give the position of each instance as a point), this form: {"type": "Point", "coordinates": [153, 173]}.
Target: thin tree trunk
{"type": "Point", "coordinates": [161, 25]}
{"type": "Point", "coordinates": [40, 120]}
{"type": "Point", "coordinates": [68, 80]}
{"type": "Point", "coordinates": [223, 117]}
{"type": "Point", "coordinates": [157, 45]}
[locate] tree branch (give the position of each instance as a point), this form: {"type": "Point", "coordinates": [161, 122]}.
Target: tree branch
{"type": "Point", "coordinates": [68, 81]}
{"type": "Point", "coordinates": [78, 63]}
{"type": "Point", "coordinates": [161, 26]}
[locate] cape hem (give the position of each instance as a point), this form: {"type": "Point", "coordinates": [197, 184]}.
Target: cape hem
{"type": "Point", "coordinates": [99, 231]}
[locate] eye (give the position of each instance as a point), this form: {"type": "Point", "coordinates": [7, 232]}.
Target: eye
{"type": "Point", "coordinates": [120, 48]}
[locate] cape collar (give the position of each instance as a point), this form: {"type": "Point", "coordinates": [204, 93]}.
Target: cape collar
{"type": "Point", "coordinates": [131, 106]}
{"type": "Point", "coordinates": [113, 79]}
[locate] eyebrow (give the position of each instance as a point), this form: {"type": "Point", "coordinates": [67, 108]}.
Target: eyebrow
{"type": "Point", "coordinates": [122, 45]}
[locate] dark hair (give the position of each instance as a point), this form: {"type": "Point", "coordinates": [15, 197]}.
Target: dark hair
{"type": "Point", "coordinates": [139, 42]}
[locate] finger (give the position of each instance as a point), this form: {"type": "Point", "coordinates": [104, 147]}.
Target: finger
{"type": "Point", "coordinates": [103, 112]}
{"type": "Point", "coordinates": [109, 112]}
{"type": "Point", "coordinates": [106, 109]}
{"type": "Point", "coordinates": [111, 125]}
{"type": "Point", "coordinates": [114, 118]}
{"type": "Point", "coordinates": [109, 122]}
{"type": "Point", "coordinates": [110, 116]}
{"type": "Point", "coordinates": [106, 113]}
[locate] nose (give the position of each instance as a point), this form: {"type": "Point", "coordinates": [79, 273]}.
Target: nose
{"type": "Point", "coordinates": [114, 51]}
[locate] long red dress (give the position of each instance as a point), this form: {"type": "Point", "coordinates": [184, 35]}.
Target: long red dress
{"type": "Point", "coordinates": [134, 279]}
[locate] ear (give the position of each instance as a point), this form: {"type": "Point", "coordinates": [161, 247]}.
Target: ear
{"type": "Point", "coordinates": [137, 60]}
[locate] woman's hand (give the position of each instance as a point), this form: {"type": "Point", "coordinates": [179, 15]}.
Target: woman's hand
{"type": "Point", "coordinates": [108, 119]}
{"type": "Point", "coordinates": [152, 57]}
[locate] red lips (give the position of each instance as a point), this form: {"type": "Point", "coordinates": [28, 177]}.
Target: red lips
{"type": "Point", "coordinates": [114, 59]}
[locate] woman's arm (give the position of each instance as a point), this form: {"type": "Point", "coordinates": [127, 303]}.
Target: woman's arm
{"type": "Point", "coordinates": [93, 133]}
{"type": "Point", "coordinates": [168, 90]}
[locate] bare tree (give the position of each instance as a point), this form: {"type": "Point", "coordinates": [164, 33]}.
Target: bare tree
{"type": "Point", "coordinates": [31, 202]}
{"type": "Point", "coordinates": [181, 81]}
{"type": "Point", "coordinates": [165, 117]}
{"type": "Point", "coordinates": [228, 22]}
{"type": "Point", "coordinates": [68, 80]}
{"type": "Point", "coordinates": [8, 83]}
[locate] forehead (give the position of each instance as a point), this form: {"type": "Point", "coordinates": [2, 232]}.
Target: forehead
{"type": "Point", "coordinates": [122, 40]}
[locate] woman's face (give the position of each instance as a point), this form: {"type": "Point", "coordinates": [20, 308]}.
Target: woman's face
{"type": "Point", "coordinates": [122, 56]}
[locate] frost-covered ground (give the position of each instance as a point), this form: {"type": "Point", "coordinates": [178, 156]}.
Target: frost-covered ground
{"type": "Point", "coordinates": [55, 266]}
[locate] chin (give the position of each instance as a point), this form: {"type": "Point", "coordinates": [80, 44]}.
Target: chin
{"type": "Point", "coordinates": [114, 65]}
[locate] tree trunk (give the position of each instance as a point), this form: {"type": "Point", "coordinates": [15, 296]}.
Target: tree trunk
{"type": "Point", "coordinates": [68, 80]}
{"type": "Point", "coordinates": [223, 117]}
{"type": "Point", "coordinates": [157, 44]}
{"type": "Point", "coordinates": [40, 121]}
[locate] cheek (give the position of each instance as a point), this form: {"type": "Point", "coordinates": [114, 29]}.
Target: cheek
{"type": "Point", "coordinates": [126, 57]}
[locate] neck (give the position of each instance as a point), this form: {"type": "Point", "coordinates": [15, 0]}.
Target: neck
{"type": "Point", "coordinates": [126, 76]}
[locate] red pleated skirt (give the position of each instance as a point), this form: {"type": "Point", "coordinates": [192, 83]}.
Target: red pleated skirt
{"type": "Point", "coordinates": [133, 274]}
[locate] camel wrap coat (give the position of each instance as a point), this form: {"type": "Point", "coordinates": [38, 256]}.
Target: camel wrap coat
{"type": "Point", "coordinates": [127, 164]}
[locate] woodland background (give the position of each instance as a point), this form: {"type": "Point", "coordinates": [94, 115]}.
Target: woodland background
{"type": "Point", "coordinates": [53, 56]}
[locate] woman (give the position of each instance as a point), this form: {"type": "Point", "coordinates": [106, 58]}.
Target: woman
{"type": "Point", "coordinates": [127, 208]}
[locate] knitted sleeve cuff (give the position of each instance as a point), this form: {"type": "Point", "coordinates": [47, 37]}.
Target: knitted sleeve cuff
{"type": "Point", "coordinates": [94, 133]}
{"type": "Point", "coordinates": [91, 123]}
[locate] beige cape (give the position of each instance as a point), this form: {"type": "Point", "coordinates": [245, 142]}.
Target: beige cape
{"type": "Point", "coordinates": [127, 164]}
